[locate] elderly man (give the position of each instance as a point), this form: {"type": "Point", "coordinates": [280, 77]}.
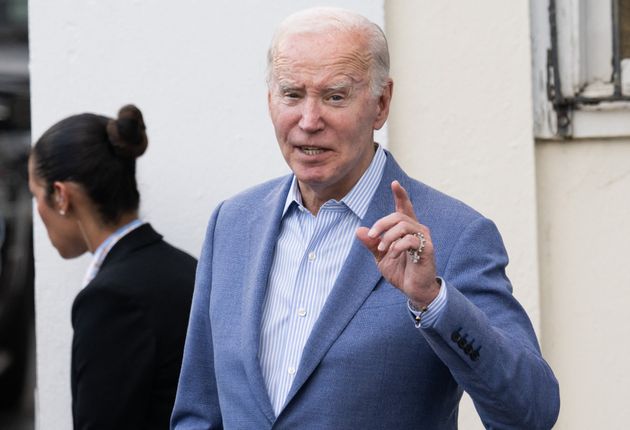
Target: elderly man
{"type": "Point", "coordinates": [348, 295]}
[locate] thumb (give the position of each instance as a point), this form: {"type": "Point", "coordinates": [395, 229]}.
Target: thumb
{"type": "Point", "coordinates": [370, 243]}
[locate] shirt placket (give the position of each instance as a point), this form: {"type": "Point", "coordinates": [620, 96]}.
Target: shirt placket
{"type": "Point", "coordinates": [309, 293]}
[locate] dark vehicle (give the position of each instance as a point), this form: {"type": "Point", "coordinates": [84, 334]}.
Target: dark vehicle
{"type": "Point", "coordinates": [16, 249]}
{"type": "Point", "coordinates": [16, 268]}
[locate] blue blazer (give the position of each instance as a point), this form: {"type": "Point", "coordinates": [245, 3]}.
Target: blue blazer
{"type": "Point", "coordinates": [365, 364]}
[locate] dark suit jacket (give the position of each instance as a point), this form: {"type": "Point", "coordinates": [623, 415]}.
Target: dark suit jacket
{"type": "Point", "coordinates": [365, 365]}
{"type": "Point", "coordinates": [129, 329]}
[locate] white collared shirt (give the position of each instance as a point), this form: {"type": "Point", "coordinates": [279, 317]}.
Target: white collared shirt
{"type": "Point", "coordinates": [104, 248]}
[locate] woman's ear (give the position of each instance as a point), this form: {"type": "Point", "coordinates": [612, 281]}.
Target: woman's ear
{"type": "Point", "coordinates": [61, 197]}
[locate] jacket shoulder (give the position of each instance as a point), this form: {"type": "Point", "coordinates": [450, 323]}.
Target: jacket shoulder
{"type": "Point", "coordinates": [268, 188]}
{"type": "Point", "coordinates": [259, 197]}
{"type": "Point", "coordinates": [155, 270]}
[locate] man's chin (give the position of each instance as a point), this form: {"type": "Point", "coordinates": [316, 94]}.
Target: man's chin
{"type": "Point", "coordinates": [313, 181]}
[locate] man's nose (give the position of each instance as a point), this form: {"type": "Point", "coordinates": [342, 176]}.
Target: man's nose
{"type": "Point", "coordinates": [311, 120]}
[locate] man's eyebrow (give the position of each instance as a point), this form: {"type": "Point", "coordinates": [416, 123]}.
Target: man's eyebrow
{"type": "Point", "coordinates": [286, 85]}
{"type": "Point", "coordinates": [340, 86]}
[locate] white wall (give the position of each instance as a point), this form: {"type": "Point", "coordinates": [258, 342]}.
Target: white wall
{"type": "Point", "coordinates": [196, 69]}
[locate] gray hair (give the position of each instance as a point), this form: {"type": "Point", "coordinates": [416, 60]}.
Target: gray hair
{"type": "Point", "coordinates": [324, 19]}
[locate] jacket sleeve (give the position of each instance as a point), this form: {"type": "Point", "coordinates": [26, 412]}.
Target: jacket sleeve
{"type": "Point", "coordinates": [197, 403]}
{"type": "Point", "coordinates": [113, 357]}
{"type": "Point", "coordinates": [486, 339]}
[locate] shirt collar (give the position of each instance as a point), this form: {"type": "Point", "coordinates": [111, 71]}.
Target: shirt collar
{"type": "Point", "coordinates": [359, 197]}
{"type": "Point", "coordinates": [104, 248]}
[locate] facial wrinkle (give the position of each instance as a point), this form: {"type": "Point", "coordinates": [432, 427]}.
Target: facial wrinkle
{"type": "Point", "coordinates": [355, 61]}
{"type": "Point", "coordinates": [353, 65]}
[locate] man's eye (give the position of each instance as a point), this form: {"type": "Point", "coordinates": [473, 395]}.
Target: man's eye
{"type": "Point", "coordinates": [292, 95]}
{"type": "Point", "coordinates": [336, 98]}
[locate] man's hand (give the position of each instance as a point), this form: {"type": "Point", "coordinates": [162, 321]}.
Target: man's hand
{"type": "Point", "coordinates": [390, 238]}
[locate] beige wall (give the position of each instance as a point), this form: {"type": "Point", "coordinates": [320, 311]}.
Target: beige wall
{"type": "Point", "coordinates": [584, 237]}
{"type": "Point", "coordinates": [461, 119]}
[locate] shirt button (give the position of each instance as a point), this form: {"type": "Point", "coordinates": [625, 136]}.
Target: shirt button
{"type": "Point", "coordinates": [291, 370]}
{"type": "Point", "coordinates": [301, 312]}
{"type": "Point", "coordinates": [311, 256]}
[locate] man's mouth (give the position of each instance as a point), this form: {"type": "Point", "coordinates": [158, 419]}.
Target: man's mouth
{"type": "Point", "coordinates": [310, 150]}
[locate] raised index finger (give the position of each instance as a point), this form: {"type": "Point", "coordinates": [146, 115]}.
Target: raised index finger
{"type": "Point", "coordinates": [402, 201]}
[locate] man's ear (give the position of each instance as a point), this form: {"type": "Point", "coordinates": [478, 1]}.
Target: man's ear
{"type": "Point", "coordinates": [383, 104]}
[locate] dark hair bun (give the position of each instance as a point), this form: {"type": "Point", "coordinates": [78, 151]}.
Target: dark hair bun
{"type": "Point", "coordinates": [127, 133]}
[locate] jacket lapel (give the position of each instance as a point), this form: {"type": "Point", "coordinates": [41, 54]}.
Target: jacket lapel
{"type": "Point", "coordinates": [355, 282]}
{"type": "Point", "coordinates": [263, 232]}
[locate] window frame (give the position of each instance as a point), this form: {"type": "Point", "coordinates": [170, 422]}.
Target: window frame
{"type": "Point", "coordinates": [578, 89]}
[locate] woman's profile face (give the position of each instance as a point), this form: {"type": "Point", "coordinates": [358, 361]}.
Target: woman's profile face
{"type": "Point", "coordinates": [63, 230]}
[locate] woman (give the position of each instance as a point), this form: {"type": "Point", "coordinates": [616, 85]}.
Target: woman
{"type": "Point", "coordinates": [130, 319]}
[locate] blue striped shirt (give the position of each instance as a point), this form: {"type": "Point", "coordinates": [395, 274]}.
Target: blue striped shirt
{"type": "Point", "coordinates": [309, 255]}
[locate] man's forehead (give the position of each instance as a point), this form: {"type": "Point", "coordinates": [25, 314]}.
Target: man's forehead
{"type": "Point", "coordinates": [336, 67]}
{"type": "Point", "coordinates": [327, 50]}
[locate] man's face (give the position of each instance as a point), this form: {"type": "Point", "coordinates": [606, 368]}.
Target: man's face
{"type": "Point", "coordinates": [324, 112]}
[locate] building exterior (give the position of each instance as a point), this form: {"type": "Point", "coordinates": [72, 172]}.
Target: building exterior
{"type": "Point", "coordinates": [470, 116]}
